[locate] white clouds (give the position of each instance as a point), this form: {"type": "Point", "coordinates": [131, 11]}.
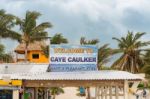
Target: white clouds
{"type": "Point", "coordinates": [95, 10]}
{"type": "Point", "coordinates": [90, 17]}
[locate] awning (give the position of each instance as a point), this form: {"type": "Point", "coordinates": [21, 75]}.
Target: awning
{"type": "Point", "coordinates": [86, 75]}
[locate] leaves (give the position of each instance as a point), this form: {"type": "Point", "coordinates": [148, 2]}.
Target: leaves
{"type": "Point", "coordinates": [58, 39]}
{"type": "Point", "coordinates": [104, 53]}
{"type": "Point", "coordinates": [131, 47]}
{"type": "Point", "coordinates": [83, 41]}
{"type": "Point", "coordinates": [6, 23]}
{"type": "Point", "coordinates": [56, 91]}
{"type": "Point", "coordinates": [5, 57]}
{"type": "Point", "coordinates": [30, 30]}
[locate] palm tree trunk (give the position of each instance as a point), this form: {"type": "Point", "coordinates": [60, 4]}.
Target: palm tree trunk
{"type": "Point", "coordinates": [88, 93]}
{"type": "Point", "coordinates": [26, 52]}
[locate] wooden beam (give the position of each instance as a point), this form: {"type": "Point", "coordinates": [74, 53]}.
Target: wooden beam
{"type": "Point", "coordinates": [36, 93]}
{"type": "Point", "coordinates": [126, 88]}
{"type": "Point", "coordinates": [69, 83]}
{"type": "Point", "coordinates": [110, 92]}
{"type": "Point", "coordinates": [116, 92]}
{"type": "Point", "coordinates": [102, 92]}
{"type": "Point", "coordinates": [106, 90]}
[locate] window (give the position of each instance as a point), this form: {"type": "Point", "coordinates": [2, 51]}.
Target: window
{"type": "Point", "coordinates": [35, 56]}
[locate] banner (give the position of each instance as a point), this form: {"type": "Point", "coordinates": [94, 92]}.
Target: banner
{"type": "Point", "coordinates": [66, 58]}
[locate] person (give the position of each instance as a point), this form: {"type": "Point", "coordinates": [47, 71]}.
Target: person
{"type": "Point", "coordinates": [82, 91]}
{"type": "Point", "coordinates": [49, 94]}
{"type": "Point", "coordinates": [144, 93]}
{"type": "Point", "coordinates": [138, 94]}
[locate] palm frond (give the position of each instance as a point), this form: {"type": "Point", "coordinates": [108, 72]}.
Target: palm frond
{"type": "Point", "coordinates": [131, 47]}
{"type": "Point", "coordinates": [58, 39]}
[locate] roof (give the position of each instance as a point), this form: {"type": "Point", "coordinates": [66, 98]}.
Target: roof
{"type": "Point", "coordinates": [32, 46]}
{"type": "Point", "coordinates": [22, 68]}
{"type": "Point", "coordinates": [86, 75]}
{"type": "Point", "coordinates": [30, 71]}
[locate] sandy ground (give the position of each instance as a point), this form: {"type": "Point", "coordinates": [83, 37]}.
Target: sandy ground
{"type": "Point", "coordinates": [70, 93]}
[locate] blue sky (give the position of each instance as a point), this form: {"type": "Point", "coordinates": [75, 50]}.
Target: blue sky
{"type": "Point", "coordinates": [101, 19]}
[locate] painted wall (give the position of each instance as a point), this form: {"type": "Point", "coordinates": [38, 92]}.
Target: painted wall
{"type": "Point", "coordinates": [42, 57]}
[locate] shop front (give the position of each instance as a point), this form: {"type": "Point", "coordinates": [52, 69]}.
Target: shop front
{"type": "Point", "coordinates": [70, 66]}
{"type": "Point", "coordinates": [9, 89]}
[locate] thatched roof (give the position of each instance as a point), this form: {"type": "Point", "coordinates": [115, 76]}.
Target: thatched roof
{"type": "Point", "coordinates": [36, 46]}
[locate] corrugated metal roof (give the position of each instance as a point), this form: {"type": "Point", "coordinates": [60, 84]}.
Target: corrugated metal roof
{"type": "Point", "coordinates": [38, 72]}
{"type": "Point", "coordinates": [22, 68]}
{"type": "Point", "coordinates": [90, 75]}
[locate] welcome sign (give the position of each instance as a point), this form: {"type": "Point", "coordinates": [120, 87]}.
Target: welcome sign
{"type": "Point", "coordinates": [73, 58]}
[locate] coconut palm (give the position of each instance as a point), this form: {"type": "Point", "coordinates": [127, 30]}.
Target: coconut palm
{"type": "Point", "coordinates": [7, 21]}
{"type": "Point", "coordinates": [5, 57]}
{"type": "Point", "coordinates": [146, 68]}
{"type": "Point", "coordinates": [130, 47]}
{"type": "Point", "coordinates": [56, 39]}
{"type": "Point", "coordinates": [83, 41]}
{"type": "Point", "coordinates": [56, 91]}
{"type": "Point", "coordinates": [30, 30]}
{"type": "Point", "coordinates": [104, 54]}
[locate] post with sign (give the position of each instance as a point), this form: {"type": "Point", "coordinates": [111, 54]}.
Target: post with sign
{"type": "Point", "coordinates": [68, 58]}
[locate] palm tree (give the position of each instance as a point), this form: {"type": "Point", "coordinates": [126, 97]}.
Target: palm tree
{"type": "Point", "coordinates": [56, 39]}
{"type": "Point", "coordinates": [104, 54]}
{"type": "Point", "coordinates": [30, 31]}
{"type": "Point", "coordinates": [146, 68]}
{"type": "Point", "coordinates": [56, 91]}
{"type": "Point", "coordinates": [5, 57]}
{"type": "Point", "coordinates": [7, 21]}
{"type": "Point", "coordinates": [83, 41]}
{"type": "Point", "coordinates": [131, 47]}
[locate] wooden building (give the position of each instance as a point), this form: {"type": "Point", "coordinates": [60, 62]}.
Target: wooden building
{"type": "Point", "coordinates": [106, 83]}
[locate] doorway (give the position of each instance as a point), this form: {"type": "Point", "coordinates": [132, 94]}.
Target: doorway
{"type": "Point", "coordinates": [6, 94]}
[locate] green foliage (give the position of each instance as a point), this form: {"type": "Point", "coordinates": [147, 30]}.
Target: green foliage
{"type": "Point", "coordinates": [45, 50]}
{"type": "Point", "coordinates": [58, 39]}
{"type": "Point", "coordinates": [130, 46]}
{"type": "Point", "coordinates": [30, 30]}
{"type": "Point", "coordinates": [7, 21]}
{"type": "Point", "coordinates": [106, 68]}
{"type": "Point", "coordinates": [5, 57]}
{"type": "Point", "coordinates": [146, 68]}
{"type": "Point", "coordinates": [2, 49]}
{"type": "Point", "coordinates": [83, 41]}
{"type": "Point", "coordinates": [141, 85]}
{"type": "Point", "coordinates": [104, 54]}
{"type": "Point", "coordinates": [56, 91]}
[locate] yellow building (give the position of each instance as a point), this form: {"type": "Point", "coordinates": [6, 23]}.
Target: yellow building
{"type": "Point", "coordinates": [34, 55]}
